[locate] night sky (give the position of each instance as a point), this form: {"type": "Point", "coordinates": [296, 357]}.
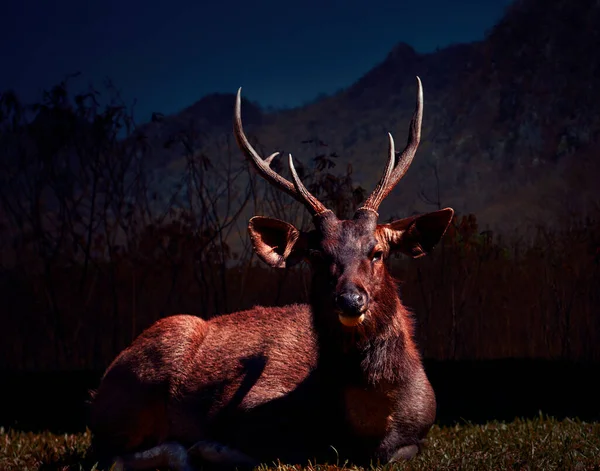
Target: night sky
{"type": "Point", "coordinates": [169, 54]}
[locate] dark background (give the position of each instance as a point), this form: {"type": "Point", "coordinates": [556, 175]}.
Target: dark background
{"type": "Point", "coordinates": [114, 214]}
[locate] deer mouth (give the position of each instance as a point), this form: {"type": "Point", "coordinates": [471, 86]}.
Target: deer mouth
{"type": "Point", "coordinates": [351, 321]}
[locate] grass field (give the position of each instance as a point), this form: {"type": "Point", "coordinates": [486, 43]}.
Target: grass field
{"type": "Point", "coordinates": [541, 444]}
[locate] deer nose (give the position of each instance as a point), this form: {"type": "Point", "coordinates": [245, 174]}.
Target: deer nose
{"type": "Point", "coordinates": [351, 302]}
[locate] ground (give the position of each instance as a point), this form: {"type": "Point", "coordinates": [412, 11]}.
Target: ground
{"type": "Point", "coordinates": [542, 443]}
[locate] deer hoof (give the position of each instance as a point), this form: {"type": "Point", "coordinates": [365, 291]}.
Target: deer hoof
{"type": "Point", "coordinates": [405, 453]}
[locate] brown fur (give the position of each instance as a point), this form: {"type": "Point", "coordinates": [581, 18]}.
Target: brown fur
{"type": "Point", "coordinates": [278, 383]}
{"type": "Point", "coordinates": [294, 383]}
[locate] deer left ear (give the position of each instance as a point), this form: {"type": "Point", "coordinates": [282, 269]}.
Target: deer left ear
{"type": "Point", "coordinates": [416, 235]}
{"type": "Point", "coordinates": [276, 242]}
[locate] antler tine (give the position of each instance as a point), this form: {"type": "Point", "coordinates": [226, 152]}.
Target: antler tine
{"type": "Point", "coordinates": [396, 169]}
{"type": "Point", "coordinates": [260, 164]}
{"type": "Point", "coordinates": [414, 138]}
{"type": "Point", "coordinates": [313, 203]}
{"type": "Point", "coordinates": [298, 192]}
{"type": "Point", "coordinates": [377, 196]}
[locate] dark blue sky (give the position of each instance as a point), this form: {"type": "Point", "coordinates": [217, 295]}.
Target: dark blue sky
{"type": "Point", "coordinates": [169, 54]}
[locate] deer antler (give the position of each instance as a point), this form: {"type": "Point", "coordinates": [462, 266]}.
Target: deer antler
{"type": "Point", "coordinates": [296, 190]}
{"type": "Point", "coordinates": [395, 169]}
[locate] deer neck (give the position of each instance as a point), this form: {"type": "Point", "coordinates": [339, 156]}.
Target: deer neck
{"type": "Point", "coordinates": [378, 350]}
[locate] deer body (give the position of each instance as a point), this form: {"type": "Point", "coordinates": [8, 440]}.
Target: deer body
{"type": "Point", "coordinates": [339, 378]}
{"type": "Point", "coordinates": [269, 398]}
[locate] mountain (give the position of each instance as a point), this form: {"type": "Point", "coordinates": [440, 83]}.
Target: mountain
{"type": "Point", "coordinates": [511, 123]}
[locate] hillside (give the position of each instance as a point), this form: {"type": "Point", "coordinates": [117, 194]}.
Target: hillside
{"type": "Point", "coordinates": [510, 123]}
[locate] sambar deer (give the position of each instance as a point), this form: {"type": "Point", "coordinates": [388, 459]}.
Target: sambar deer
{"type": "Point", "coordinates": [339, 378]}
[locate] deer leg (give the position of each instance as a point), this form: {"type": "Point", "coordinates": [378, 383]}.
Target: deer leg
{"type": "Point", "coordinates": [169, 455]}
{"type": "Point", "coordinates": [398, 448]}
{"type": "Point", "coordinates": [221, 455]}
{"type": "Point", "coordinates": [405, 453]}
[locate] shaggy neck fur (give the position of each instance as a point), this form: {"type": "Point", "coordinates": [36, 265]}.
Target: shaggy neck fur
{"type": "Point", "coordinates": [379, 349]}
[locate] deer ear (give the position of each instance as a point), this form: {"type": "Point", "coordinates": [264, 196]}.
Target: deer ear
{"type": "Point", "coordinates": [417, 235]}
{"type": "Point", "coordinates": [278, 243]}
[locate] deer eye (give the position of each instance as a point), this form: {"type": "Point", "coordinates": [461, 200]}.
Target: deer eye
{"type": "Point", "coordinates": [377, 255]}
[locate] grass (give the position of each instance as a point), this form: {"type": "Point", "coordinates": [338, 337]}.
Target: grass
{"type": "Point", "coordinates": [542, 443]}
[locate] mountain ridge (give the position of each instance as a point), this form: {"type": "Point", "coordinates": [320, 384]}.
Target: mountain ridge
{"type": "Point", "coordinates": [509, 122]}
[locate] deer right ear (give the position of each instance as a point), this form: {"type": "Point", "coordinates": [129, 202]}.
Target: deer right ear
{"type": "Point", "coordinates": [417, 235]}
{"type": "Point", "coordinates": [277, 243]}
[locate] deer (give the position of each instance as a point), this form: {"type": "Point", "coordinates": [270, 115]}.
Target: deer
{"type": "Point", "coordinates": [338, 378]}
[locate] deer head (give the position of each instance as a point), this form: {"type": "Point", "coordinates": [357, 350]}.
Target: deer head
{"type": "Point", "coordinates": [350, 279]}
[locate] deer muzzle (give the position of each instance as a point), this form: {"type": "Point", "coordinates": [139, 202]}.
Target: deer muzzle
{"type": "Point", "coordinates": [352, 305]}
